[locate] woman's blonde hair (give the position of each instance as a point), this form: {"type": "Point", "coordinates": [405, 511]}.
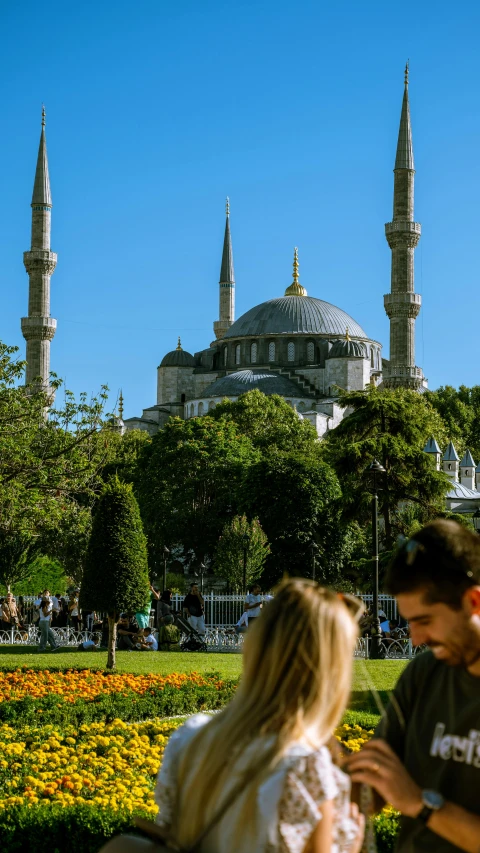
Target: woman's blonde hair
{"type": "Point", "coordinates": [295, 686]}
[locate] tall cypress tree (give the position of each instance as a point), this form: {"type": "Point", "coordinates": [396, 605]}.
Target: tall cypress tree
{"type": "Point", "coordinates": [116, 568]}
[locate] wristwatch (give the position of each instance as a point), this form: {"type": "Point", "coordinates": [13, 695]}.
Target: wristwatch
{"type": "Point", "coordinates": [432, 802]}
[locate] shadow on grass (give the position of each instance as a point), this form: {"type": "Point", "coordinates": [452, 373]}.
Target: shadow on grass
{"type": "Point", "coordinates": [33, 650]}
{"type": "Point", "coordinates": [363, 700]}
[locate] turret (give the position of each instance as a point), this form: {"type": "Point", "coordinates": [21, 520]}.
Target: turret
{"type": "Point", "coordinates": [450, 462]}
{"type": "Point", "coordinates": [433, 449]}
{"type": "Point", "coordinates": [467, 470]}
{"type": "Point", "coordinates": [402, 304]}
{"type": "Point", "coordinates": [39, 327]}
{"type": "Point", "coordinates": [227, 283]}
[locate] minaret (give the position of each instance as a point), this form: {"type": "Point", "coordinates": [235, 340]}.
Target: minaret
{"type": "Point", "coordinates": [402, 304]}
{"type": "Point", "coordinates": [227, 283]}
{"type": "Point", "coordinates": [39, 328]}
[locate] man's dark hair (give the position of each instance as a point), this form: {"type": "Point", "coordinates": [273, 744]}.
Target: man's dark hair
{"type": "Point", "coordinates": [442, 560]}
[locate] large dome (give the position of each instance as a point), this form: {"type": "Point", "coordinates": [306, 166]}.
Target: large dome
{"type": "Point", "coordinates": [295, 315]}
{"type": "Point", "coordinates": [235, 384]}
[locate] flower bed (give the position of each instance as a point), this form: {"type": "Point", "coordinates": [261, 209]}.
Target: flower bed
{"type": "Point", "coordinates": [83, 696]}
{"type": "Point", "coordinates": [75, 767]}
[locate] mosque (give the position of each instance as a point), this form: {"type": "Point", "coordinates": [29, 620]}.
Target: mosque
{"type": "Point", "coordinates": [295, 345]}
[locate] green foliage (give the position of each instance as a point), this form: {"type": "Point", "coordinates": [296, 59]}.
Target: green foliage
{"type": "Point", "coordinates": [116, 571]}
{"type": "Point", "coordinates": [386, 827]}
{"type": "Point", "coordinates": [267, 421]}
{"type": "Point", "coordinates": [393, 427]}
{"type": "Point", "coordinates": [124, 452]}
{"type": "Point", "coordinates": [52, 828]}
{"type": "Point", "coordinates": [187, 479]}
{"type": "Point", "coordinates": [231, 548]}
{"type": "Point", "coordinates": [176, 583]}
{"type": "Point", "coordinates": [46, 464]}
{"type": "Point", "coordinates": [460, 412]}
{"type": "Point", "coordinates": [44, 573]}
{"type": "Point", "coordinates": [296, 497]}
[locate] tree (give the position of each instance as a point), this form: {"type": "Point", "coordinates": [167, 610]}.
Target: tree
{"type": "Point", "coordinates": [460, 411]}
{"type": "Point", "coordinates": [229, 554]}
{"type": "Point", "coordinates": [116, 566]}
{"type": "Point", "coordinates": [47, 464]}
{"type": "Point", "coordinates": [391, 425]}
{"type": "Point", "coordinates": [296, 496]}
{"type": "Point", "coordinates": [187, 484]}
{"type": "Point", "coordinates": [267, 421]}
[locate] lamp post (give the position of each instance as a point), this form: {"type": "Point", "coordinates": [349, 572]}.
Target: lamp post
{"type": "Point", "coordinates": [165, 555]}
{"type": "Point", "coordinates": [203, 569]}
{"type": "Point", "coordinates": [375, 471]}
{"type": "Point", "coordinates": [245, 544]}
{"type": "Point", "coordinates": [476, 519]}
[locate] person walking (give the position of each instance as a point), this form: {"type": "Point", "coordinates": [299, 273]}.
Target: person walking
{"type": "Point", "coordinates": [45, 619]}
{"type": "Point", "coordinates": [253, 604]}
{"type": "Point", "coordinates": [425, 759]}
{"type": "Point", "coordinates": [260, 776]}
{"type": "Point", "coordinates": [194, 607]}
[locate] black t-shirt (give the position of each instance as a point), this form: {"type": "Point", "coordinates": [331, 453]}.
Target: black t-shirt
{"type": "Point", "coordinates": [433, 724]}
{"type": "Point", "coordinates": [193, 604]}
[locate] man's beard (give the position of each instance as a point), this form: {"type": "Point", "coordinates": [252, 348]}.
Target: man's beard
{"type": "Point", "coordinates": [464, 651]}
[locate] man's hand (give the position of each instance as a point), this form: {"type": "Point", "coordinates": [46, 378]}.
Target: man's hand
{"type": "Point", "coordinates": [377, 765]}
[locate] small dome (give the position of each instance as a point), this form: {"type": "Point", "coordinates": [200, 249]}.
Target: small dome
{"type": "Point", "coordinates": [348, 349]}
{"type": "Point", "coordinates": [245, 380]}
{"type": "Point", "coordinates": [178, 358]}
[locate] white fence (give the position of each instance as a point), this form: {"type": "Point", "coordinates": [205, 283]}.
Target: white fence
{"type": "Point", "coordinates": [224, 611]}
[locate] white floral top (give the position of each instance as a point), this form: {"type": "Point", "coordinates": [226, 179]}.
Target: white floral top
{"type": "Point", "coordinates": [288, 802]}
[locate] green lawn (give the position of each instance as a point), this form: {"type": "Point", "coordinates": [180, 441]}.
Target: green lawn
{"type": "Point", "coordinates": [382, 674]}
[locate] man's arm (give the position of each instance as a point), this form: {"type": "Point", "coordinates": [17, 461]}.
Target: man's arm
{"type": "Point", "coordinates": [377, 765]}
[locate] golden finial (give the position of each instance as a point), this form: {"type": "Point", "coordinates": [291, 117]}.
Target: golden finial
{"type": "Point", "coordinates": [347, 334]}
{"type": "Point", "coordinates": [295, 265]}
{"type": "Point", "coordinates": [227, 206]}
{"type": "Point", "coordinates": [120, 405]}
{"type": "Point", "coordinates": [179, 345]}
{"type": "Point", "coordinates": [43, 115]}
{"type": "Point", "coordinates": [295, 288]}
{"type": "Point", "coordinates": [406, 72]}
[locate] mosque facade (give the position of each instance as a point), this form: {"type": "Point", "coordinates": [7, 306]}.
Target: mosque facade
{"type": "Point", "coordinates": [296, 345]}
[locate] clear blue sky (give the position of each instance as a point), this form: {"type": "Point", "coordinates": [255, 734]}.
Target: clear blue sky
{"type": "Point", "coordinates": [157, 110]}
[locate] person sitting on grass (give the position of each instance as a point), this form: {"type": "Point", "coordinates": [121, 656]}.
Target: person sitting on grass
{"type": "Point", "coordinates": [127, 633]}
{"type": "Point", "coordinates": [146, 641]}
{"type": "Point", "coordinates": [259, 775]}
{"type": "Point", "coordinates": [89, 646]}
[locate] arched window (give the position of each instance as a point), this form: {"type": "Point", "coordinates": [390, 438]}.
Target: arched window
{"type": "Point", "coordinates": [449, 467]}
{"type": "Point", "coordinates": [200, 408]}
{"type": "Point", "coordinates": [237, 354]}
{"type": "Point", "coordinates": [372, 357]}
{"type": "Point", "coordinates": [225, 355]}
{"type": "Point", "coordinates": [211, 405]}
{"type": "Point", "coordinates": [301, 407]}
{"type": "Point", "coordinates": [271, 351]}
{"type": "Point", "coordinates": [310, 352]}
{"type": "Point", "coordinates": [182, 398]}
{"type": "Point", "coordinates": [192, 410]}
{"type": "Point", "coordinates": [253, 353]}
{"type": "Point", "coordinates": [291, 351]}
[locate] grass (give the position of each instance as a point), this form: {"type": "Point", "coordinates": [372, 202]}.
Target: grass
{"type": "Point", "coordinates": [383, 675]}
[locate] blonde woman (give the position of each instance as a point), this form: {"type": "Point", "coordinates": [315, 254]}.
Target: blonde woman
{"type": "Point", "coordinates": [259, 777]}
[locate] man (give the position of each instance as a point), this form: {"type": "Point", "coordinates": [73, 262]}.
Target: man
{"type": "Point", "coordinates": [9, 612]}
{"type": "Point", "coordinates": [193, 608]}
{"type": "Point", "coordinates": [55, 610]}
{"type": "Point", "coordinates": [426, 760]}
{"type": "Point", "coordinates": [45, 619]}
{"type": "Point", "coordinates": [127, 633]}
{"type": "Point", "coordinates": [253, 603]}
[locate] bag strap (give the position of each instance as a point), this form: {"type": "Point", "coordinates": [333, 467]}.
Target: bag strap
{"type": "Point", "coordinates": [247, 777]}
